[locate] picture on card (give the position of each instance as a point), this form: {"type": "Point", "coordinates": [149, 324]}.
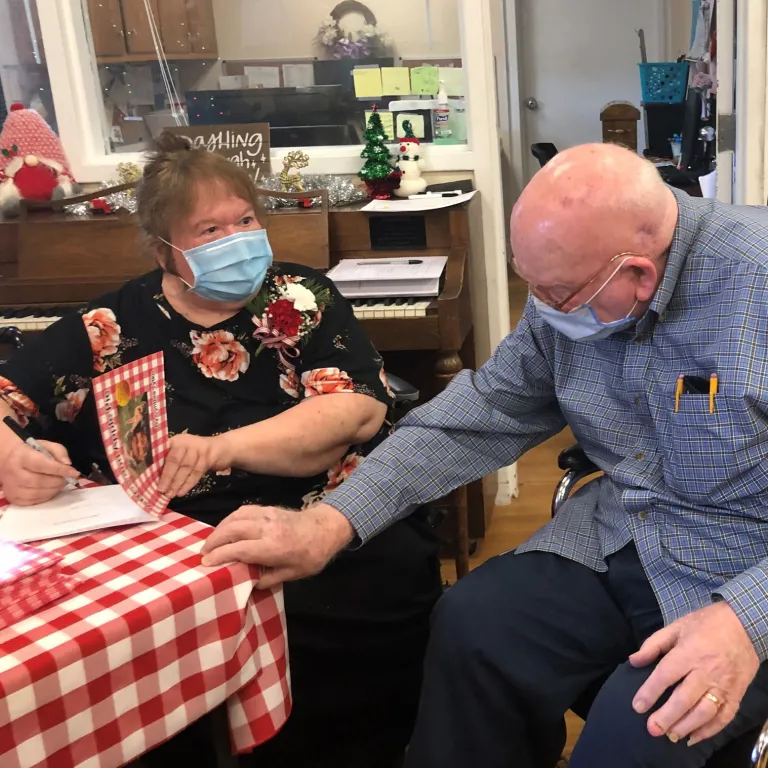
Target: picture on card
{"type": "Point", "coordinates": [131, 406]}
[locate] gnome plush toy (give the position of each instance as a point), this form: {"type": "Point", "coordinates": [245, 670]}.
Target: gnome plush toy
{"type": "Point", "coordinates": [33, 165]}
{"type": "Point", "coordinates": [410, 163]}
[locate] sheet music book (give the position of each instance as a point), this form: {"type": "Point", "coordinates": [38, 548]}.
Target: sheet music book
{"type": "Point", "coordinates": [400, 277]}
{"type": "Point", "coordinates": [130, 402]}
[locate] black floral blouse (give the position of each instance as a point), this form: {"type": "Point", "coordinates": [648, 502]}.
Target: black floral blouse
{"type": "Point", "coordinates": [297, 338]}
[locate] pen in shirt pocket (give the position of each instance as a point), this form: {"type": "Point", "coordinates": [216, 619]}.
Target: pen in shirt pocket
{"type": "Point", "coordinates": [712, 392]}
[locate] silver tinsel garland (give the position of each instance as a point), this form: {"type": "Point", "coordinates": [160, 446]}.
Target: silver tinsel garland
{"type": "Point", "coordinates": [117, 200]}
{"type": "Point", "coordinates": [341, 190]}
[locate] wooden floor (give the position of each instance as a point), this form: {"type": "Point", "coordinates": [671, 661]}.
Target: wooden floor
{"type": "Point", "coordinates": [513, 524]}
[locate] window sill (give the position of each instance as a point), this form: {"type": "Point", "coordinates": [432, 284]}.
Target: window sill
{"type": "Point", "coordinates": [323, 160]}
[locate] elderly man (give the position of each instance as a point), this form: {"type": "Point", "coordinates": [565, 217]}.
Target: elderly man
{"type": "Point", "coordinates": [653, 580]}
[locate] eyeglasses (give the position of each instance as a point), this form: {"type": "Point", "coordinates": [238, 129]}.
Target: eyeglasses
{"type": "Point", "coordinates": [558, 305]}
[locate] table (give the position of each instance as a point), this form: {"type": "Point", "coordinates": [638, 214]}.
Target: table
{"type": "Point", "coordinates": [149, 642]}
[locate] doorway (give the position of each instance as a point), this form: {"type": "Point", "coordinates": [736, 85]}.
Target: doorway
{"type": "Point", "coordinates": [576, 57]}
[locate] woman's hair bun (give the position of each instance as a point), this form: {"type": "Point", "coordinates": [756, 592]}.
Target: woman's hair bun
{"type": "Point", "coordinates": [168, 142]}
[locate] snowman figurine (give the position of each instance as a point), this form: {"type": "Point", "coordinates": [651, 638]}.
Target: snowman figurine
{"type": "Point", "coordinates": [410, 163]}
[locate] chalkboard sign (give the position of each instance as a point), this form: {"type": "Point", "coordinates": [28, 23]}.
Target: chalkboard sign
{"type": "Point", "coordinates": [246, 145]}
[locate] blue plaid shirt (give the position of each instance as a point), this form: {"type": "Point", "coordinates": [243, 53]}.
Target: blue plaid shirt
{"type": "Point", "coordinates": [689, 488]}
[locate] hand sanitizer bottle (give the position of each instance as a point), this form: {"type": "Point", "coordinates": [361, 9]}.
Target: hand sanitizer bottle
{"type": "Point", "coordinates": [442, 129]}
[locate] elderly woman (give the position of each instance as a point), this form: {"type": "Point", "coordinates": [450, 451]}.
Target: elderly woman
{"type": "Point", "coordinates": [274, 396]}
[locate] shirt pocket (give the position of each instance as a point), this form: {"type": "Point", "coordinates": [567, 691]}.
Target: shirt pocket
{"type": "Point", "coordinates": [705, 452]}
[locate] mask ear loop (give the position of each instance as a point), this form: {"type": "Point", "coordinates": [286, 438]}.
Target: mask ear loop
{"type": "Point", "coordinates": [610, 277]}
{"type": "Point", "coordinates": [171, 245]}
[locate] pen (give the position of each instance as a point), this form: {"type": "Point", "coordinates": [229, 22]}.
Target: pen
{"type": "Point", "coordinates": [376, 262]}
{"type": "Point", "coordinates": [712, 392]}
{"type": "Point", "coordinates": [678, 391]}
{"type": "Point", "coordinates": [22, 434]}
{"type": "Point", "coordinates": [456, 193]}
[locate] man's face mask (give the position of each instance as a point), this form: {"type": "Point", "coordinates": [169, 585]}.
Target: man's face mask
{"type": "Point", "coordinates": [230, 269]}
{"type": "Point", "coordinates": [582, 322]}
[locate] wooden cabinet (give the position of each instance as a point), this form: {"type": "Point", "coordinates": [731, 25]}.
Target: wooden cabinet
{"type": "Point", "coordinates": [138, 30]}
{"type": "Point", "coordinates": [619, 119]}
{"type": "Point", "coordinates": [202, 27]}
{"type": "Point", "coordinates": [174, 27]}
{"type": "Point", "coordinates": [107, 27]}
{"type": "Point", "coordinates": [122, 32]}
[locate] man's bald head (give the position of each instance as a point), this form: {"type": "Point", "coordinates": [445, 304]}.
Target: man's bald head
{"type": "Point", "coordinates": [585, 206]}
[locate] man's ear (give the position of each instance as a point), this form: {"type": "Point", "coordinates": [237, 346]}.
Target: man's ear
{"type": "Point", "coordinates": [648, 276]}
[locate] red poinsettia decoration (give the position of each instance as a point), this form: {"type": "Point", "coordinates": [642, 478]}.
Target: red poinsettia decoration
{"type": "Point", "coordinates": [284, 317]}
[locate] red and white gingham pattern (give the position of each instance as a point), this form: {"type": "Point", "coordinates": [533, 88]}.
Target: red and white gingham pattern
{"type": "Point", "coordinates": [147, 643]}
{"type": "Point", "coordinates": [144, 375]}
{"type": "Point", "coordinates": [18, 561]}
{"type": "Point", "coordinates": [29, 579]}
{"type": "Point", "coordinates": [28, 595]}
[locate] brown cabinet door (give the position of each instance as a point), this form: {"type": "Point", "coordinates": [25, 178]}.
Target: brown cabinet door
{"type": "Point", "coordinates": [138, 33]}
{"type": "Point", "coordinates": [174, 26]}
{"type": "Point", "coordinates": [620, 132]}
{"type": "Point", "coordinates": [202, 28]}
{"type": "Point", "coordinates": [106, 27]}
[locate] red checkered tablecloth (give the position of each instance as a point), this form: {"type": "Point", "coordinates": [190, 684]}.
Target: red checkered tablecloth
{"type": "Point", "coordinates": [147, 643]}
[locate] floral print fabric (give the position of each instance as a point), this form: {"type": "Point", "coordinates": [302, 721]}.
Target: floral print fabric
{"type": "Point", "coordinates": [298, 338]}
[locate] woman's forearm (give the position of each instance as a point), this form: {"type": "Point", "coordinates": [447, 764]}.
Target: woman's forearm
{"type": "Point", "coordinates": [303, 441]}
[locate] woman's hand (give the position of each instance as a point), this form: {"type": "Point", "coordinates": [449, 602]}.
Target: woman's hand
{"type": "Point", "coordinates": [288, 545]}
{"type": "Point", "coordinates": [29, 477]}
{"type": "Point", "coordinates": [189, 458]}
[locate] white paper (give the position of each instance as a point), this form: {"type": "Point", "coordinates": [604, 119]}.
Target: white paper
{"type": "Point", "coordinates": [405, 268]}
{"type": "Point", "coordinates": [708, 185]}
{"type": "Point", "coordinates": [414, 206]}
{"type": "Point", "coordinates": [263, 77]}
{"type": "Point", "coordinates": [71, 512]}
{"type": "Point", "coordinates": [141, 87]}
{"type": "Point", "coordinates": [298, 75]}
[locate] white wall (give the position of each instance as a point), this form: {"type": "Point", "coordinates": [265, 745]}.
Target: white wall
{"type": "Point", "coordinates": [680, 12]}
{"type": "Point", "coordinates": [266, 29]}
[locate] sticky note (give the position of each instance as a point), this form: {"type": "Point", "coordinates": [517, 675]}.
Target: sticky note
{"type": "Point", "coordinates": [417, 124]}
{"type": "Point", "coordinates": [425, 81]}
{"type": "Point", "coordinates": [387, 120]}
{"type": "Point", "coordinates": [396, 81]}
{"type": "Point", "coordinates": [452, 79]}
{"type": "Point", "coordinates": [367, 82]}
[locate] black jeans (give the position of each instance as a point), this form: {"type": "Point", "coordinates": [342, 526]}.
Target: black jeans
{"type": "Point", "coordinates": [515, 644]}
{"type": "Point", "coordinates": [357, 634]}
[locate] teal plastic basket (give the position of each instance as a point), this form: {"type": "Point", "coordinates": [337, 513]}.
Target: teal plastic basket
{"type": "Point", "coordinates": [664, 82]}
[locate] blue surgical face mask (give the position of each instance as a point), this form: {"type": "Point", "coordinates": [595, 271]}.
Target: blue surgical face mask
{"type": "Point", "coordinates": [582, 322]}
{"type": "Point", "coordinates": [231, 269]}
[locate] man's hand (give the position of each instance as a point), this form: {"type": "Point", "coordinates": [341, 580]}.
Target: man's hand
{"type": "Point", "coordinates": [288, 545]}
{"type": "Point", "coordinates": [707, 652]}
{"type": "Point", "coordinates": [188, 459]}
{"type": "Point", "coordinates": [29, 477]}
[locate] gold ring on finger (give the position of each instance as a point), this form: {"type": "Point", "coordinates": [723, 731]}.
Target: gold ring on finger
{"type": "Point", "coordinates": [714, 699]}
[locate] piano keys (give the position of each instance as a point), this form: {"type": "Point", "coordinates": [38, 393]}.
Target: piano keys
{"type": "Point", "coordinates": [33, 319]}
{"type": "Point", "coordinates": [387, 309]}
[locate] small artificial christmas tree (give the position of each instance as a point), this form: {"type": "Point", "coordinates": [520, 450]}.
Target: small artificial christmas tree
{"type": "Point", "coordinates": [377, 173]}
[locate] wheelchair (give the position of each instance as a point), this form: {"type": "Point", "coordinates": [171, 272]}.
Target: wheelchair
{"type": "Point", "coordinates": [751, 748]}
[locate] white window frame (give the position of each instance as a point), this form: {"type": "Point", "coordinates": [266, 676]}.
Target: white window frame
{"type": "Point", "coordinates": [80, 114]}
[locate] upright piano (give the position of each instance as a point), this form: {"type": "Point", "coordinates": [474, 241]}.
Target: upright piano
{"type": "Point", "coordinates": [51, 264]}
